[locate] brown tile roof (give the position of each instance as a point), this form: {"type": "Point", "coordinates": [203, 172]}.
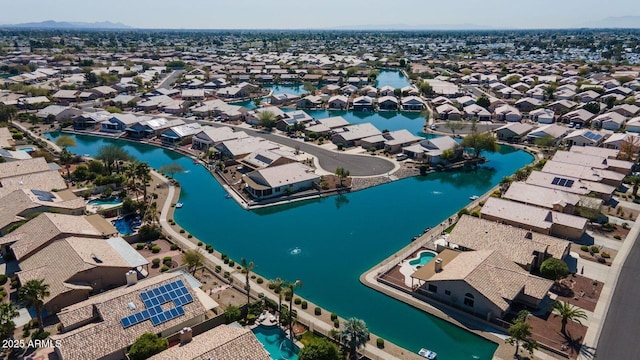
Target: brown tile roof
{"type": "Point", "coordinates": [106, 335]}
{"type": "Point", "coordinates": [517, 244]}
{"type": "Point", "coordinates": [43, 180]}
{"type": "Point", "coordinates": [491, 274]}
{"type": "Point", "coordinates": [223, 342]}
{"type": "Point", "coordinates": [23, 167]}
{"type": "Point", "coordinates": [48, 226]}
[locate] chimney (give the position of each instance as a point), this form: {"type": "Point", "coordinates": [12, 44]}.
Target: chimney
{"type": "Point", "coordinates": [438, 265]}
{"type": "Point", "coordinates": [132, 277]}
{"type": "Point", "coordinates": [185, 335]}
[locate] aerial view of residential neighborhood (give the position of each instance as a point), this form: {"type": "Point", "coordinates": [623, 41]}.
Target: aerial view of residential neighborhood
{"type": "Point", "coordinates": [337, 181]}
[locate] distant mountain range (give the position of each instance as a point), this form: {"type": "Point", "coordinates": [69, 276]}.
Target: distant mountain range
{"type": "Point", "coordinates": [619, 22]}
{"type": "Point", "coordinates": [51, 24]}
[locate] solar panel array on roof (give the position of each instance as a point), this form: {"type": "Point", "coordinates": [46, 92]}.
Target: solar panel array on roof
{"type": "Point", "coordinates": [592, 136]}
{"type": "Point", "coordinates": [153, 299]}
{"type": "Point", "coordinates": [43, 195]}
{"type": "Point", "coordinates": [562, 182]}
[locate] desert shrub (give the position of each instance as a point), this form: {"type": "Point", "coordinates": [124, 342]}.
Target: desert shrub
{"type": "Point", "coordinates": [594, 249]}
{"type": "Point", "coordinates": [218, 268]}
{"type": "Point", "coordinates": [139, 246]}
{"type": "Point", "coordinates": [317, 311]}
{"type": "Point", "coordinates": [174, 247]}
{"type": "Point", "coordinates": [155, 262]}
{"type": "Point", "coordinates": [164, 268]}
{"type": "Point", "coordinates": [166, 258]}
{"type": "Point", "coordinates": [334, 316]}
{"type": "Point", "coordinates": [380, 343]}
{"type": "Point", "coordinates": [259, 280]}
{"type": "Point", "coordinates": [297, 301]}
{"type": "Point", "coordinates": [605, 255]}
{"type": "Point", "coordinates": [155, 249]}
{"type": "Point", "coordinates": [584, 248]}
{"type": "Point", "coordinates": [617, 237]}
{"type": "Point", "coordinates": [3, 279]}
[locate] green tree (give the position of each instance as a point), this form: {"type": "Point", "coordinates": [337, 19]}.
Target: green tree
{"type": "Point", "coordinates": [568, 312]}
{"type": "Point", "coordinates": [308, 87]}
{"type": "Point", "coordinates": [171, 169]}
{"type": "Point", "coordinates": [247, 267]}
{"type": "Point", "coordinates": [354, 335]}
{"type": "Point", "coordinates": [454, 126]}
{"type": "Point", "coordinates": [592, 107]}
{"type": "Point", "coordinates": [519, 333]}
{"type": "Point", "coordinates": [320, 349]}
{"type": "Point", "coordinates": [426, 89]}
{"type": "Point", "coordinates": [480, 142]}
{"type": "Point", "coordinates": [8, 312]}
{"type": "Point", "coordinates": [635, 180]}
{"type": "Point", "coordinates": [232, 313]}
{"type": "Point", "coordinates": [194, 259]}
{"type": "Point", "coordinates": [147, 345]}
{"type": "Point", "coordinates": [32, 294]}
{"type": "Point", "coordinates": [278, 286]}
{"type": "Point", "coordinates": [112, 155]}
{"type": "Point", "coordinates": [342, 174]}
{"type": "Point", "coordinates": [483, 101]}
{"type": "Point", "coordinates": [65, 141]}
{"type": "Point", "coordinates": [554, 269]}
{"type": "Point", "coordinates": [611, 101]}
{"type": "Point", "coordinates": [143, 174]}
{"type": "Point", "coordinates": [267, 119]}
{"type": "Point", "coordinates": [291, 287]}
{"type": "Point", "coordinates": [545, 141]}
{"type": "Point", "coordinates": [7, 113]}
{"type": "Point", "coordinates": [65, 160]}
{"type": "Point", "coordinates": [513, 79]}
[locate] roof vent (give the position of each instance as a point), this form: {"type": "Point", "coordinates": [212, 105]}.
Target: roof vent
{"type": "Point", "coordinates": [96, 258]}
{"type": "Point", "coordinates": [131, 306]}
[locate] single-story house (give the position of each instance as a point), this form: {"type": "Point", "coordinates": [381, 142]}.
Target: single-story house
{"type": "Point", "coordinates": [616, 141]}
{"type": "Point", "coordinates": [587, 173]}
{"type": "Point", "coordinates": [309, 102]}
{"type": "Point", "coordinates": [542, 116]}
{"type": "Point", "coordinates": [388, 103]}
{"type": "Point", "coordinates": [448, 112]}
{"type": "Point", "coordinates": [280, 180]}
{"type": "Point", "coordinates": [211, 136]}
{"type": "Point", "coordinates": [180, 134]}
{"type": "Point", "coordinates": [352, 135]}
{"type": "Point", "coordinates": [548, 198]}
{"type": "Point", "coordinates": [583, 137]}
{"type": "Point", "coordinates": [507, 113]}
{"type": "Point", "coordinates": [59, 113]}
{"type": "Point", "coordinates": [477, 112]}
{"type": "Point", "coordinates": [557, 132]}
{"type": "Point", "coordinates": [362, 103]}
{"type": "Point", "coordinates": [633, 125]}
{"type": "Point", "coordinates": [609, 121]}
{"type": "Point", "coordinates": [513, 131]}
{"type": "Point", "coordinates": [430, 150]}
{"type": "Point", "coordinates": [412, 103]}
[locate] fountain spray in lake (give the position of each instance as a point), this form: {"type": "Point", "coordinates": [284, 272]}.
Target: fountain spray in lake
{"type": "Point", "coordinates": [295, 251]}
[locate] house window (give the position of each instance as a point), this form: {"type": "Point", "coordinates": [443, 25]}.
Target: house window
{"type": "Point", "coordinates": [432, 288]}
{"type": "Point", "coordinates": [447, 292]}
{"type": "Point", "coordinates": [468, 299]}
{"type": "Point", "coordinates": [278, 189]}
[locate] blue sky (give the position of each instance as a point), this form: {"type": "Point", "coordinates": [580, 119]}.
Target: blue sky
{"type": "Point", "coordinates": [304, 14]}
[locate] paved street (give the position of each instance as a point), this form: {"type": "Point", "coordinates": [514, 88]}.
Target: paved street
{"type": "Point", "coordinates": [623, 318]}
{"type": "Point", "coordinates": [169, 80]}
{"type": "Point", "coordinates": [358, 165]}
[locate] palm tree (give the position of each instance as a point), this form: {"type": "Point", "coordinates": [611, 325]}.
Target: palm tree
{"type": "Point", "coordinates": [65, 159]}
{"type": "Point", "coordinates": [130, 173]}
{"type": "Point", "coordinates": [246, 269]}
{"type": "Point", "coordinates": [7, 313]}
{"type": "Point", "coordinates": [520, 332]}
{"type": "Point", "coordinates": [291, 286]}
{"type": "Point", "coordinates": [193, 259]}
{"type": "Point", "coordinates": [267, 119]}
{"type": "Point", "coordinates": [568, 312]}
{"type": "Point", "coordinates": [32, 294]}
{"type": "Point", "coordinates": [354, 335]}
{"type": "Point", "coordinates": [143, 173]}
{"type": "Point", "coordinates": [342, 174]}
{"type": "Point", "coordinates": [635, 180]}
{"type": "Point", "coordinates": [278, 287]}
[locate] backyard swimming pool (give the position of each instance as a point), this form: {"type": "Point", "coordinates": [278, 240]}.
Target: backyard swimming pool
{"type": "Point", "coordinates": [126, 225]}
{"type": "Point", "coordinates": [275, 341]}
{"type": "Point", "coordinates": [423, 258]}
{"type": "Point", "coordinates": [106, 201]}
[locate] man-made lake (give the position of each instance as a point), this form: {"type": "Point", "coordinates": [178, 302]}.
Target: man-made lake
{"type": "Point", "coordinates": [328, 243]}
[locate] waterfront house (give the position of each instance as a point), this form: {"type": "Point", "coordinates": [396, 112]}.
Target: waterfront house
{"type": "Point", "coordinates": [352, 135]}
{"type": "Point", "coordinates": [583, 137]}
{"type": "Point", "coordinates": [554, 131]}
{"type": "Point", "coordinates": [253, 117]}
{"type": "Point", "coordinates": [59, 113]}
{"type": "Point", "coordinates": [412, 103]}
{"type": "Point", "coordinates": [595, 157]}
{"type": "Point", "coordinates": [552, 199]}
{"type": "Point", "coordinates": [222, 342]}
{"type": "Point", "coordinates": [283, 99]}
{"type": "Point", "coordinates": [338, 102]}
{"type": "Point", "coordinates": [33, 173]}
{"type": "Point", "coordinates": [19, 205]}
{"type": "Point", "coordinates": [309, 102]}
{"type": "Point", "coordinates": [180, 134]}
{"type": "Point", "coordinates": [362, 103]}
{"type": "Point", "coordinates": [387, 91]}
{"type": "Point", "coordinates": [571, 184]}
{"type": "Point", "coordinates": [105, 325]}
{"type": "Point", "coordinates": [533, 218]}
{"type": "Point", "coordinates": [211, 136]}
{"type": "Point", "coordinates": [262, 159]}
{"type": "Point", "coordinates": [388, 103]}
{"type": "Point", "coordinates": [76, 267]}
{"type": "Point", "coordinates": [280, 180]}
{"type": "Point", "coordinates": [609, 121]}
{"type": "Point", "coordinates": [513, 131]}
{"type": "Point", "coordinates": [392, 141]}
{"type": "Point", "coordinates": [583, 172]}
{"type": "Point", "coordinates": [89, 121]}
{"type": "Point", "coordinates": [120, 122]}
{"type": "Point", "coordinates": [327, 126]}
{"type": "Point", "coordinates": [151, 128]}
{"type": "Point", "coordinates": [241, 147]}
{"type": "Point", "coordinates": [430, 150]}
{"type": "Point", "coordinates": [525, 248]}
{"type": "Point", "coordinates": [485, 283]}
